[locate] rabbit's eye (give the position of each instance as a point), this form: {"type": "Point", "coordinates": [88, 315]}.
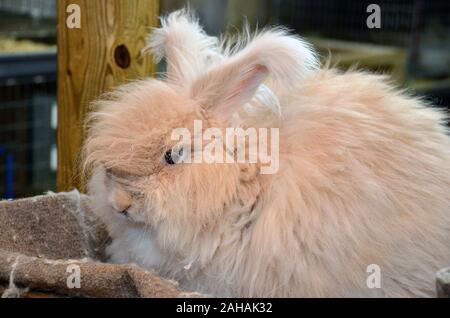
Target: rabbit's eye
{"type": "Point", "coordinates": [173, 156]}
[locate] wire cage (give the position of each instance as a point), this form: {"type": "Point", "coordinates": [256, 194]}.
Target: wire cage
{"type": "Point", "coordinates": [419, 28]}
{"type": "Point", "coordinates": [27, 97]}
{"type": "Point", "coordinates": [27, 123]}
{"type": "Point", "coordinates": [346, 19]}
{"type": "Point", "coordinates": [414, 24]}
{"type": "Point", "coordinates": [34, 8]}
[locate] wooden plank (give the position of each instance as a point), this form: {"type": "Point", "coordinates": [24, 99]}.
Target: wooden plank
{"type": "Point", "coordinates": [102, 53]}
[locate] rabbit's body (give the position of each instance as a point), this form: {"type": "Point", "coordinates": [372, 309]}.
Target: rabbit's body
{"type": "Point", "coordinates": [364, 178]}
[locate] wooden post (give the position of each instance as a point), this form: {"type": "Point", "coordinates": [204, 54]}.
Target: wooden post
{"type": "Point", "coordinates": [102, 53]}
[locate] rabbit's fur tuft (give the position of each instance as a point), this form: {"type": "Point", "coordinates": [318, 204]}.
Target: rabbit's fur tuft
{"type": "Point", "coordinates": [364, 173]}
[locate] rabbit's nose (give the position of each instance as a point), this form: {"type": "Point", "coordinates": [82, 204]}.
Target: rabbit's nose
{"type": "Point", "coordinates": [124, 212]}
{"type": "Point", "coordinates": [120, 201]}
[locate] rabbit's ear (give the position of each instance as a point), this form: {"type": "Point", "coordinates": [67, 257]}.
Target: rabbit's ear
{"type": "Point", "coordinates": [285, 58]}
{"type": "Point", "coordinates": [188, 50]}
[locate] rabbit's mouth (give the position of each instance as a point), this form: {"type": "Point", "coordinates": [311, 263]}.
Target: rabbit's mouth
{"type": "Point", "coordinates": [131, 216]}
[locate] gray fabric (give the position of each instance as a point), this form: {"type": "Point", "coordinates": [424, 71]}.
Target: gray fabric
{"type": "Point", "coordinates": [41, 237]}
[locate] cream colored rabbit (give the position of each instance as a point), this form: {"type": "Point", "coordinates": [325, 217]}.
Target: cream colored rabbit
{"type": "Point", "coordinates": [363, 178]}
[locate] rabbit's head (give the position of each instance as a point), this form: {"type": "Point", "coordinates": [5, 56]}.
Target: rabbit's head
{"type": "Point", "coordinates": [135, 177]}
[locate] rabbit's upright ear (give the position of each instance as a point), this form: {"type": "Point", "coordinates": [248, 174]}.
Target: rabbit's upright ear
{"type": "Point", "coordinates": [188, 50]}
{"type": "Point", "coordinates": [285, 58]}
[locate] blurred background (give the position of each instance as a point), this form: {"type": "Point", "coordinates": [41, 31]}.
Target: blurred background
{"type": "Point", "coordinates": [413, 45]}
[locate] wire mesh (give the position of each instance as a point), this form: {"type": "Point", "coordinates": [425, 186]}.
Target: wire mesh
{"type": "Point", "coordinates": [27, 124]}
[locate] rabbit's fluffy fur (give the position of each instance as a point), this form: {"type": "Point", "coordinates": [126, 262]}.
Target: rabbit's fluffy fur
{"type": "Point", "coordinates": [364, 173]}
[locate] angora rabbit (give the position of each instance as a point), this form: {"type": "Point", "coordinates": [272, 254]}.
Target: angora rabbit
{"type": "Point", "coordinates": [363, 180]}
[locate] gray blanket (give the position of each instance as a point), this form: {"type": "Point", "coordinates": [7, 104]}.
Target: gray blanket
{"type": "Point", "coordinates": [52, 246]}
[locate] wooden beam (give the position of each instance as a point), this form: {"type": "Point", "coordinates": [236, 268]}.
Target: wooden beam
{"type": "Point", "coordinates": [102, 53]}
